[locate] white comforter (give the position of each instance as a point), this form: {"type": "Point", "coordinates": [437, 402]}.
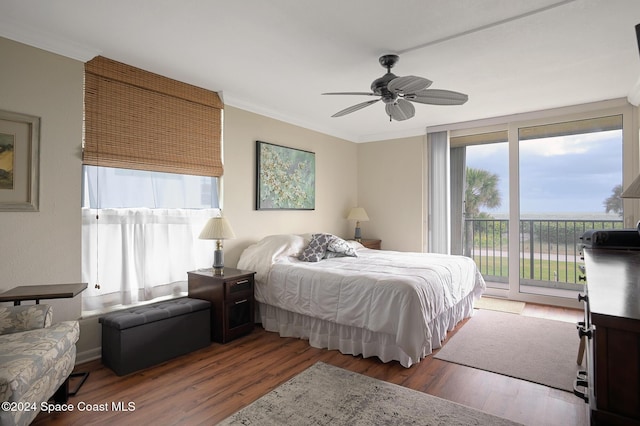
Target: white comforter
{"type": "Point", "coordinates": [396, 293]}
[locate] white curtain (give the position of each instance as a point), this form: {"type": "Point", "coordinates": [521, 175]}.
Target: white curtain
{"type": "Point", "coordinates": [137, 254]}
{"type": "Point", "coordinates": [439, 203]}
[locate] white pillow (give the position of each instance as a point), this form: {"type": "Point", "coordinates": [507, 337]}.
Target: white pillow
{"type": "Point", "coordinates": [260, 256]}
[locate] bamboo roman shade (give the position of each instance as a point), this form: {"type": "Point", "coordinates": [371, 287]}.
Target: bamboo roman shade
{"type": "Point", "coordinates": [136, 119]}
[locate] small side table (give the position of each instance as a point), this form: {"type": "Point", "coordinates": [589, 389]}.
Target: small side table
{"type": "Point", "coordinates": [372, 244]}
{"type": "Point", "coordinates": [231, 297]}
{"type": "Point", "coordinates": [38, 292]}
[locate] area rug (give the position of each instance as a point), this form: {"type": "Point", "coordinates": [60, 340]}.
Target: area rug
{"type": "Point", "coordinates": [534, 349]}
{"type": "Point", "coordinates": [328, 395]}
{"type": "Point", "coordinates": [501, 305]}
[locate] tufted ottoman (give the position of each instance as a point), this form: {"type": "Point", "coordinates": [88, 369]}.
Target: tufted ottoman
{"type": "Point", "coordinates": [137, 338]}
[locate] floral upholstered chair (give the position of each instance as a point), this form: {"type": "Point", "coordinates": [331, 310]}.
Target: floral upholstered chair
{"type": "Point", "coordinates": [36, 359]}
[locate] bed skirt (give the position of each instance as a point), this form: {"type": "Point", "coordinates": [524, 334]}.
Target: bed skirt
{"type": "Point", "coordinates": [358, 341]}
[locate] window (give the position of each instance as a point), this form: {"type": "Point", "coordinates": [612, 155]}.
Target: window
{"type": "Point", "coordinates": [108, 187]}
{"type": "Point", "coordinates": [140, 233]}
{"type": "Point", "coordinates": [557, 173]}
{"type": "Point", "coordinates": [152, 163]}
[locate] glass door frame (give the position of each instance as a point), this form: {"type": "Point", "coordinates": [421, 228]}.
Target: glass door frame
{"type": "Point", "coordinates": [630, 166]}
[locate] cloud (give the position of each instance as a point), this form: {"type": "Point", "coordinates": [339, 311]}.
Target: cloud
{"type": "Point", "coordinates": [568, 145]}
{"type": "Point", "coordinates": [560, 174]}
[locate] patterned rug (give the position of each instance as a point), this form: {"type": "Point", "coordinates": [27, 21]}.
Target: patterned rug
{"type": "Point", "coordinates": [328, 395]}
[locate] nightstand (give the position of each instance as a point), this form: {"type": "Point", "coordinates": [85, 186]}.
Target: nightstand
{"type": "Point", "coordinates": [231, 297]}
{"type": "Point", "coordinates": [371, 244]}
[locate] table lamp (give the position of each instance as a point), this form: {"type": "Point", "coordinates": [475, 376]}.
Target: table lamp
{"type": "Point", "coordinates": [217, 228]}
{"type": "Point", "coordinates": [359, 215]}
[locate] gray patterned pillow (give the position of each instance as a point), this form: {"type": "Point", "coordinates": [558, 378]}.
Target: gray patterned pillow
{"type": "Point", "coordinates": [338, 247]}
{"type": "Point", "coordinates": [316, 248]}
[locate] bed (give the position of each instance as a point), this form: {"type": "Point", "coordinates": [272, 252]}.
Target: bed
{"type": "Point", "coordinates": [340, 295]}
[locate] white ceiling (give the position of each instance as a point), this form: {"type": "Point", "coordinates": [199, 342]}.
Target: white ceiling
{"type": "Point", "coordinates": [276, 57]}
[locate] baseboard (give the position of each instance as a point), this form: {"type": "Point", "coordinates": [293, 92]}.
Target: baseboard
{"type": "Point", "coordinates": [90, 355]}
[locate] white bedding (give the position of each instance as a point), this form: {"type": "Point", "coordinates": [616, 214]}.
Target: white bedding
{"type": "Point", "coordinates": [393, 293]}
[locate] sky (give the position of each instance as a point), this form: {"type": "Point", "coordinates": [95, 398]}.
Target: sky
{"type": "Point", "coordinates": [566, 174]}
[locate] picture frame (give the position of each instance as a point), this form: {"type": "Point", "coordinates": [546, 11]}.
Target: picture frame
{"type": "Point", "coordinates": [285, 178]}
{"type": "Point", "coordinates": [19, 162]}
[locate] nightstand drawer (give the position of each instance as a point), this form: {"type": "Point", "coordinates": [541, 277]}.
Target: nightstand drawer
{"type": "Point", "coordinates": [238, 318]}
{"type": "Point", "coordinates": [238, 287]}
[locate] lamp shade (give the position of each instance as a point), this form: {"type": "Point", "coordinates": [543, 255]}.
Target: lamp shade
{"type": "Point", "coordinates": [633, 191]}
{"type": "Point", "coordinates": [217, 228]}
{"type": "Point", "coordinates": [359, 214]}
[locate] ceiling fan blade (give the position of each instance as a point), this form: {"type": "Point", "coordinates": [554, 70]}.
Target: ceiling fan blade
{"type": "Point", "coordinates": [401, 110]}
{"type": "Point", "coordinates": [408, 84]}
{"type": "Point", "coordinates": [352, 93]}
{"type": "Point", "coordinates": [438, 97]}
{"type": "Point", "coordinates": [354, 108]}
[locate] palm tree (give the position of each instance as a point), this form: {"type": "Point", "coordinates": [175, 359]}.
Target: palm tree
{"type": "Point", "coordinates": [614, 203]}
{"type": "Point", "coordinates": [481, 191]}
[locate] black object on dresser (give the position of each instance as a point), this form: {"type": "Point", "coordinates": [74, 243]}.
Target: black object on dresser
{"type": "Point", "coordinates": [612, 327]}
{"type": "Point", "coordinates": [231, 297]}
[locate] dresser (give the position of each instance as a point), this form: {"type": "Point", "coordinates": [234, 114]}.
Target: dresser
{"type": "Point", "coordinates": [612, 328]}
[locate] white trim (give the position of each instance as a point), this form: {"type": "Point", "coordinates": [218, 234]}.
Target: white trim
{"type": "Point", "coordinates": [272, 113]}
{"type": "Point", "coordinates": [634, 94]}
{"type": "Point", "coordinates": [533, 115]}
{"type": "Point", "coordinates": [35, 37]}
{"type": "Point", "coordinates": [350, 137]}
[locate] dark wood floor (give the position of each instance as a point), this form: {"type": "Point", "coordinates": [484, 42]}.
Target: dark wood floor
{"type": "Point", "coordinates": [208, 385]}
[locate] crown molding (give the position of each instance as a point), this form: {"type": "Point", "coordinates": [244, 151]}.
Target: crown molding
{"type": "Point", "coordinates": [42, 40]}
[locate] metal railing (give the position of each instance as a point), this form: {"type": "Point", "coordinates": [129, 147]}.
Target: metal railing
{"type": "Point", "coordinates": [549, 253]}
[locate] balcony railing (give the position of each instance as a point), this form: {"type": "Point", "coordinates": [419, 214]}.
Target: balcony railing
{"type": "Point", "coordinates": [549, 253]}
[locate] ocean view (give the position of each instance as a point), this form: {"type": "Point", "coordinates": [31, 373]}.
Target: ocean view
{"type": "Point", "coordinates": [562, 216]}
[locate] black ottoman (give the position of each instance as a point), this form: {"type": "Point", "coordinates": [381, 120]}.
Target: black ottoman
{"type": "Point", "coordinates": [137, 338]}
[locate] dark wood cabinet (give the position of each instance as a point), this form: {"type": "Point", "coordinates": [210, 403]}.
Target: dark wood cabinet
{"type": "Point", "coordinates": [612, 313]}
{"type": "Point", "coordinates": [372, 244]}
{"type": "Point", "coordinates": [232, 302]}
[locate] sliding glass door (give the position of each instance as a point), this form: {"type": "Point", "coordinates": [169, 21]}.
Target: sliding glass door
{"type": "Point", "coordinates": [531, 188]}
{"type": "Point", "coordinates": [570, 180]}
{"type": "Point", "coordinates": [485, 206]}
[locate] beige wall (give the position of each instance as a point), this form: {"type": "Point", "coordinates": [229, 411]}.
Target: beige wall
{"type": "Point", "coordinates": [44, 247]}
{"type": "Point", "coordinates": [391, 188]}
{"type": "Point", "coordinates": [336, 181]}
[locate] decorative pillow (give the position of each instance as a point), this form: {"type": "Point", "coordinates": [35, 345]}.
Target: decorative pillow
{"type": "Point", "coordinates": [338, 247]}
{"type": "Point", "coordinates": [316, 248]}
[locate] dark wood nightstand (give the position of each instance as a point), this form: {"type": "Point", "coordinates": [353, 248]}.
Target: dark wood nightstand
{"type": "Point", "coordinates": [231, 297]}
{"type": "Point", "coordinates": [372, 244]}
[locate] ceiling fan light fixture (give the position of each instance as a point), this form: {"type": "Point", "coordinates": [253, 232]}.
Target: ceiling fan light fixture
{"type": "Point", "coordinates": [397, 93]}
{"type": "Point", "coordinates": [400, 110]}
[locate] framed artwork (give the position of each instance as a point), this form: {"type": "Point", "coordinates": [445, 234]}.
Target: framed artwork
{"type": "Point", "coordinates": [285, 178]}
{"type": "Point", "coordinates": [19, 161]}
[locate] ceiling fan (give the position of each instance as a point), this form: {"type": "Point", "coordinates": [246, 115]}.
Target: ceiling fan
{"type": "Point", "coordinates": [398, 92]}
